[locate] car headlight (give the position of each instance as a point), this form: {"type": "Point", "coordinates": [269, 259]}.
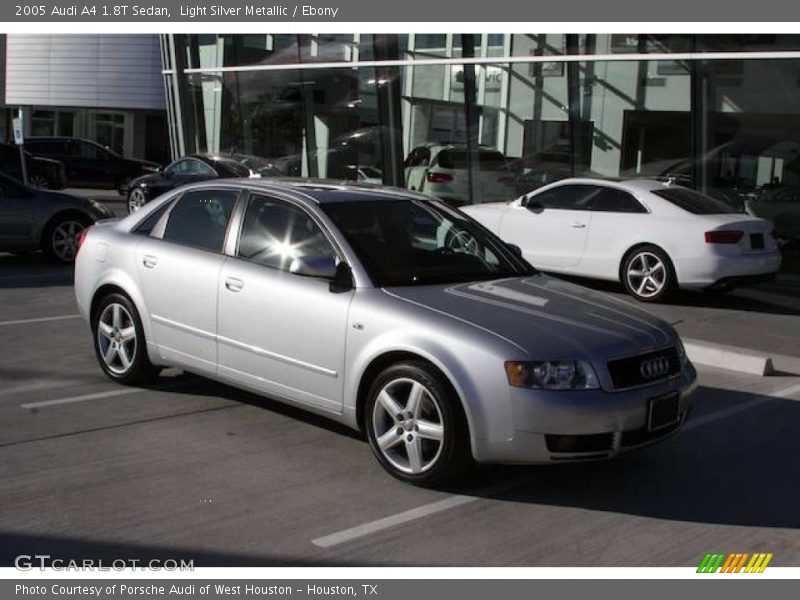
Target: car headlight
{"type": "Point", "coordinates": [682, 356]}
{"type": "Point", "coordinates": [552, 375]}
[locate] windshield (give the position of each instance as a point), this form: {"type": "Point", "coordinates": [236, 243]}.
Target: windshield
{"type": "Point", "coordinates": [234, 167]}
{"type": "Point", "coordinates": [417, 242]}
{"type": "Point", "coordinates": [695, 202]}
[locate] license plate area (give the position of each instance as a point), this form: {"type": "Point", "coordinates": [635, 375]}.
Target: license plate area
{"type": "Point", "coordinates": [663, 412]}
{"type": "Point", "coordinates": [756, 241]}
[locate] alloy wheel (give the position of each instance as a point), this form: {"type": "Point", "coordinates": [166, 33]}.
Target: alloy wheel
{"type": "Point", "coordinates": [647, 274]}
{"type": "Point", "coordinates": [408, 426]}
{"type": "Point", "coordinates": [116, 338]}
{"type": "Point", "coordinates": [136, 200]}
{"type": "Point", "coordinates": [64, 240]}
{"type": "Point", "coordinates": [38, 181]}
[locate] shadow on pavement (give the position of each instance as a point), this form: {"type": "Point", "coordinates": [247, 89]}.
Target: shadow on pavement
{"type": "Point", "coordinates": [71, 548]}
{"type": "Point", "coordinates": [32, 270]}
{"type": "Point", "coordinates": [744, 473]}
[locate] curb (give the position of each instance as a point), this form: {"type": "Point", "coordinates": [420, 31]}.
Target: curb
{"type": "Point", "coordinates": [728, 357]}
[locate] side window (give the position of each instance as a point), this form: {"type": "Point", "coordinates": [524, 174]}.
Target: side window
{"type": "Point", "coordinates": [200, 219]}
{"type": "Point", "coordinates": [618, 201]}
{"type": "Point", "coordinates": [567, 197]}
{"type": "Point", "coordinates": [275, 232]}
{"type": "Point", "coordinates": [84, 150]}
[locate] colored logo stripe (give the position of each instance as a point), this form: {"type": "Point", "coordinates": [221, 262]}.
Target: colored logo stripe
{"type": "Point", "coordinates": [733, 563]}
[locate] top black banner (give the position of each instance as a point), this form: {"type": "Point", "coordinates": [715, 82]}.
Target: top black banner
{"type": "Point", "coordinates": [475, 11]}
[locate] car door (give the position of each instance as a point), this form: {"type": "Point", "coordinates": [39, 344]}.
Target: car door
{"type": "Point", "coordinates": [552, 226]}
{"type": "Point", "coordinates": [617, 216]}
{"type": "Point", "coordinates": [16, 214]}
{"type": "Point", "coordinates": [282, 333]}
{"type": "Point", "coordinates": [90, 164]}
{"type": "Point", "coordinates": [179, 266]}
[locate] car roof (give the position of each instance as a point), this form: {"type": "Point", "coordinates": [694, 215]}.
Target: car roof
{"type": "Point", "coordinates": [325, 191]}
{"type": "Point", "coordinates": [642, 184]}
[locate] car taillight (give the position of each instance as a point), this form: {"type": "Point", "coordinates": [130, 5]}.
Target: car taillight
{"type": "Point", "coordinates": [81, 237]}
{"type": "Point", "coordinates": [724, 237]}
{"type": "Point", "coordinates": [439, 177]}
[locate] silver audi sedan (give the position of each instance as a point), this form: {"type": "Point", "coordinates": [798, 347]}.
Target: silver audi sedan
{"type": "Point", "coordinates": [386, 311]}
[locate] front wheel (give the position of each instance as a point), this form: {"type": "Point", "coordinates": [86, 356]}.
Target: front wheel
{"type": "Point", "coordinates": [39, 182]}
{"type": "Point", "coordinates": [136, 200]}
{"type": "Point", "coordinates": [119, 341]}
{"type": "Point", "coordinates": [648, 275]}
{"type": "Point", "coordinates": [415, 425]}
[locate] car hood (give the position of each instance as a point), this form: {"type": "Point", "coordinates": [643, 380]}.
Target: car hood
{"type": "Point", "coordinates": [547, 318]}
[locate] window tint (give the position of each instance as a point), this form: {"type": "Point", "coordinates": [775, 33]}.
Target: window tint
{"type": "Point", "coordinates": [694, 202]}
{"type": "Point", "coordinates": [567, 197]}
{"type": "Point", "coordinates": [84, 150]}
{"type": "Point", "coordinates": [275, 232]}
{"type": "Point", "coordinates": [611, 200]}
{"type": "Point", "coordinates": [459, 159]}
{"type": "Point", "coordinates": [191, 166]}
{"type": "Point", "coordinates": [46, 146]}
{"type": "Point", "coordinates": [201, 218]}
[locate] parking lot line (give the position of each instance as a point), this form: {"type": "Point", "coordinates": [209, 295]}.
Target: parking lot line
{"type": "Point", "coordinates": [455, 501]}
{"type": "Point", "coordinates": [39, 320]}
{"type": "Point", "coordinates": [83, 398]}
{"type": "Point", "coordinates": [425, 510]}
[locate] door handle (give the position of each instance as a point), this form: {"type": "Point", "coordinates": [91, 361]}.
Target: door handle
{"type": "Point", "coordinates": [233, 284]}
{"type": "Point", "coordinates": [149, 261]}
{"type": "Point", "coordinates": [579, 225]}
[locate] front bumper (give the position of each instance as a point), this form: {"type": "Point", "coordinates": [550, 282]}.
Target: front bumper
{"type": "Point", "coordinates": [555, 426]}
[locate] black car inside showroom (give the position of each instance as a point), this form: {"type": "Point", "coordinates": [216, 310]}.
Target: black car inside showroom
{"type": "Point", "coordinates": [351, 216]}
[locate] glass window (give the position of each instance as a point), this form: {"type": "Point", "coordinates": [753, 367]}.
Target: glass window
{"type": "Point", "coordinates": [191, 166]}
{"type": "Point", "coordinates": [694, 202]}
{"type": "Point", "coordinates": [614, 200]}
{"type": "Point", "coordinates": [86, 150]}
{"type": "Point", "coordinates": [418, 243]}
{"type": "Point", "coordinates": [146, 226]}
{"type": "Point", "coordinates": [274, 233]}
{"type": "Point", "coordinates": [566, 197]}
{"type": "Point", "coordinates": [200, 219]}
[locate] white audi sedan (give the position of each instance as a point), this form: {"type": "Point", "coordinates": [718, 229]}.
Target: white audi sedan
{"type": "Point", "coordinates": [651, 235]}
{"type": "Point", "coordinates": [387, 311]}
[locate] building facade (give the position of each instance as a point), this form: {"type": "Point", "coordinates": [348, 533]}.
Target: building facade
{"type": "Point", "coordinates": [106, 88]}
{"type": "Point", "coordinates": [718, 112]}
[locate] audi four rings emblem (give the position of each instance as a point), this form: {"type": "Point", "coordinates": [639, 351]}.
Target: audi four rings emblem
{"type": "Point", "coordinates": [657, 366]}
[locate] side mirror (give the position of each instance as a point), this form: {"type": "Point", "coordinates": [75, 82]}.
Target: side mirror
{"type": "Point", "coordinates": [532, 204]}
{"type": "Point", "coordinates": [515, 250]}
{"type": "Point", "coordinates": [314, 266]}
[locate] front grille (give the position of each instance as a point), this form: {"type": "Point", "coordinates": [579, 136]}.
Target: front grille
{"type": "Point", "coordinates": [644, 369]}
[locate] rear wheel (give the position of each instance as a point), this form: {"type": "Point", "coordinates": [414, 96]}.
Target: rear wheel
{"type": "Point", "coordinates": [119, 341]}
{"type": "Point", "coordinates": [647, 274]}
{"type": "Point", "coordinates": [415, 425]}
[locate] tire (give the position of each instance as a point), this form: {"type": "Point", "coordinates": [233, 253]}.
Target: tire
{"type": "Point", "coordinates": [136, 200]}
{"type": "Point", "coordinates": [119, 342]}
{"type": "Point", "coordinates": [647, 274]}
{"type": "Point", "coordinates": [59, 240]}
{"type": "Point", "coordinates": [442, 453]}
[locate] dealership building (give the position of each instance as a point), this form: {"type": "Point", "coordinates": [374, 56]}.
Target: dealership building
{"type": "Point", "coordinates": [721, 112]}
{"type": "Point", "coordinates": [106, 88]}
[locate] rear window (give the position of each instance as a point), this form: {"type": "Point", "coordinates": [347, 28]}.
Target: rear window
{"type": "Point", "coordinates": [694, 202]}
{"type": "Point", "coordinates": [459, 159]}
